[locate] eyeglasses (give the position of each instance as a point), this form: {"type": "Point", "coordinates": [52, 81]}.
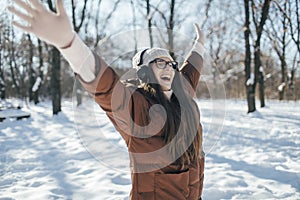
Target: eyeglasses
{"type": "Point", "coordinates": [162, 64]}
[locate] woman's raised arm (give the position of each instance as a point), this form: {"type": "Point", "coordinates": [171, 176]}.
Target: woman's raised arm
{"type": "Point", "coordinates": [56, 29]}
{"type": "Point", "coordinates": [194, 62]}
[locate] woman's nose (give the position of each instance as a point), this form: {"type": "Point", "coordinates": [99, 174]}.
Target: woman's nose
{"type": "Point", "coordinates": [169, 67]}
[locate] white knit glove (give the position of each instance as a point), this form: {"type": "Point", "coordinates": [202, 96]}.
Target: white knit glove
{"type": "Point", "coordinates": [199, 42]}
{"type": "Point", "coordinates": [56, 29]}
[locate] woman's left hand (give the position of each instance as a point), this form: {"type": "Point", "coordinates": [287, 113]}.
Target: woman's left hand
{"type": "Point", "coordinates": [200, 36]}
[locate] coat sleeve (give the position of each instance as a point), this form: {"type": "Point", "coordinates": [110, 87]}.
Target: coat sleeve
{"type": "Point", "coordinates": [112, 96]}
{"type": "Point", "coordinates": [201, 174]}
{"type": "Point", "coordinates": [190, 70]}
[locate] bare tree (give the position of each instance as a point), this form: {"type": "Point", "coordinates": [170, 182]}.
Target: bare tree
{"type": "Point", "coordinates": [294, 26]}
{"type": "Point", "coordinates": [278, 38]}
{"type": "Point", "coordinates": [55, 75]}
{"type": "Point", "coordinates": [12, 63]}
{"type": "Point", "coordinates": [292, 15]}
{"type": "Point", "coordinates": [100, 25]}
{"type": "Point", "coordinates": [40, 76]}
{"type": "Point", "coordinates": [207, 9]}
{"type": "Point", "coordinates": [149, 20]}
{"type": "Point", "coordinates": [134, 24]}
{"type": "Point", "coordinates": [259, 27]}
{"type": "Point", "coordinates": [223, 33]}
{"type": "Point", "coordinates": [98, 37]}
{"type": "Point", "coordinates": [168, 12]}
{"type": "Point", "coordinates": [249, 77]}
{"type": "Point", "coordinates": [171, 26]}
{"type": "Point", "coordinates": [31, 72]}
{"type": "Point", "coordinates": [77, 25]}
{"type": "Point", "coordinates": [2, 49]}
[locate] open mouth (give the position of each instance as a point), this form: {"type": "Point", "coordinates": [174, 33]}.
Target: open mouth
{"type": "Point", "coordinates": [166, 77]}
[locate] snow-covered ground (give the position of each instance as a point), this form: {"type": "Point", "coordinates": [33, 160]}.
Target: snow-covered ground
{"type": "Point", "coordinates": [256, 156]}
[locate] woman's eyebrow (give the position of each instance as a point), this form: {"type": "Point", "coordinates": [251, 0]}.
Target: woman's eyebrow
{"type": "Point", "coordinates": [160, 59]}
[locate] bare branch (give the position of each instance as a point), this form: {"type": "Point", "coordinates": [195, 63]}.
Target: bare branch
{"type": "Point", "coordinates": [296, 40]}
{"type": "Point", "coordinates": [111, 13]}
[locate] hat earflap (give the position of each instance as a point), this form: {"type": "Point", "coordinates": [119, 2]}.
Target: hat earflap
{"type": "Point", "coordinates": [143, 73]}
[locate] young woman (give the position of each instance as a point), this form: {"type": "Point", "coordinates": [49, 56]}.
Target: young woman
{"type": "Point", "coordinates": [157, 118]}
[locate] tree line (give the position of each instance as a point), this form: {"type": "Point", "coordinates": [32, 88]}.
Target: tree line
{"type": "Point", "coordinates": [251, 45]}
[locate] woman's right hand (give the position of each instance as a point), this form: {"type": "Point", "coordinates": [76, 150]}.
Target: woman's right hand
{"type": "Point", "coordinates": [53, 28]}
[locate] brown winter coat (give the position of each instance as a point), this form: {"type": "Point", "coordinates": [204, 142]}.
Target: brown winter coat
{"type": "Point", "coordinates": [153, 175]}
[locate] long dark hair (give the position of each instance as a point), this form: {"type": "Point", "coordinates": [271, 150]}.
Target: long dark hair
{"type": "Point", "coordinates": [188, 144]}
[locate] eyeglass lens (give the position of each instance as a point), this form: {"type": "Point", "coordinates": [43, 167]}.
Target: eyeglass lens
{"type": "Point", "coordinates": [161, 64]}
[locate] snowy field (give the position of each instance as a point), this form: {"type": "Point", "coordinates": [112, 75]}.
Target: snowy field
{"type": "Point", "coordinates": [255, 156]}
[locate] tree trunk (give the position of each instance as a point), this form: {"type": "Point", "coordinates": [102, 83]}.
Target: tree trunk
{"type": "Point", "coordinates": [12, 64]}
{"type": "Point", "coordinates": [31, 73]}
{"type": "Point", "coordinates": [40, 73]}
{"type": "Point", "coordinates": [250, 87]}
{"type": "Point", "coordinates": [55, 75]}
{"type": "Point", "coordinates": [171, 28]}
{"type": "Point", "coordinates": [295, 27]}
{"type": "Point", "coordinates": [278, 38]}
{"type": "Point", "coordinates": [251, 98]}
{"type": "Point", "coordinates": [36, 96]}
{"type": "Point", "coordinates": [55, 81]}
{"type": "Point", "coordinates": [79, 90]}
{"type": "Point", "coordinates": [282, 57]}
{"type": "Point", "coordinates": [2, 82]}
{"type": "Point", "coordinates": [259, 75]}
{"type": "Point", "coordinates": [262, 92]}
{"type": "Point", "coordinates": [149, 19]}
{"type": "Point", "coordinates": [281, 89]}
{"type": "Point", "coordinates": [98, 36]}
{"type": "Point", "coordinates": [134, 25]}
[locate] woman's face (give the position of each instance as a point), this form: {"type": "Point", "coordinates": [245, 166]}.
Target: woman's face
{"type": "Point", "coordinates": [164, 76]}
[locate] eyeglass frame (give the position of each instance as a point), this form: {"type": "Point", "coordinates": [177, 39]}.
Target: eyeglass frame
{"type": "Point", "coordinates": [174, 64]}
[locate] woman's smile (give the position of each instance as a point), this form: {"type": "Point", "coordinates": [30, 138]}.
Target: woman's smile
{"type": "Point", "coordinates": [164, 76]}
